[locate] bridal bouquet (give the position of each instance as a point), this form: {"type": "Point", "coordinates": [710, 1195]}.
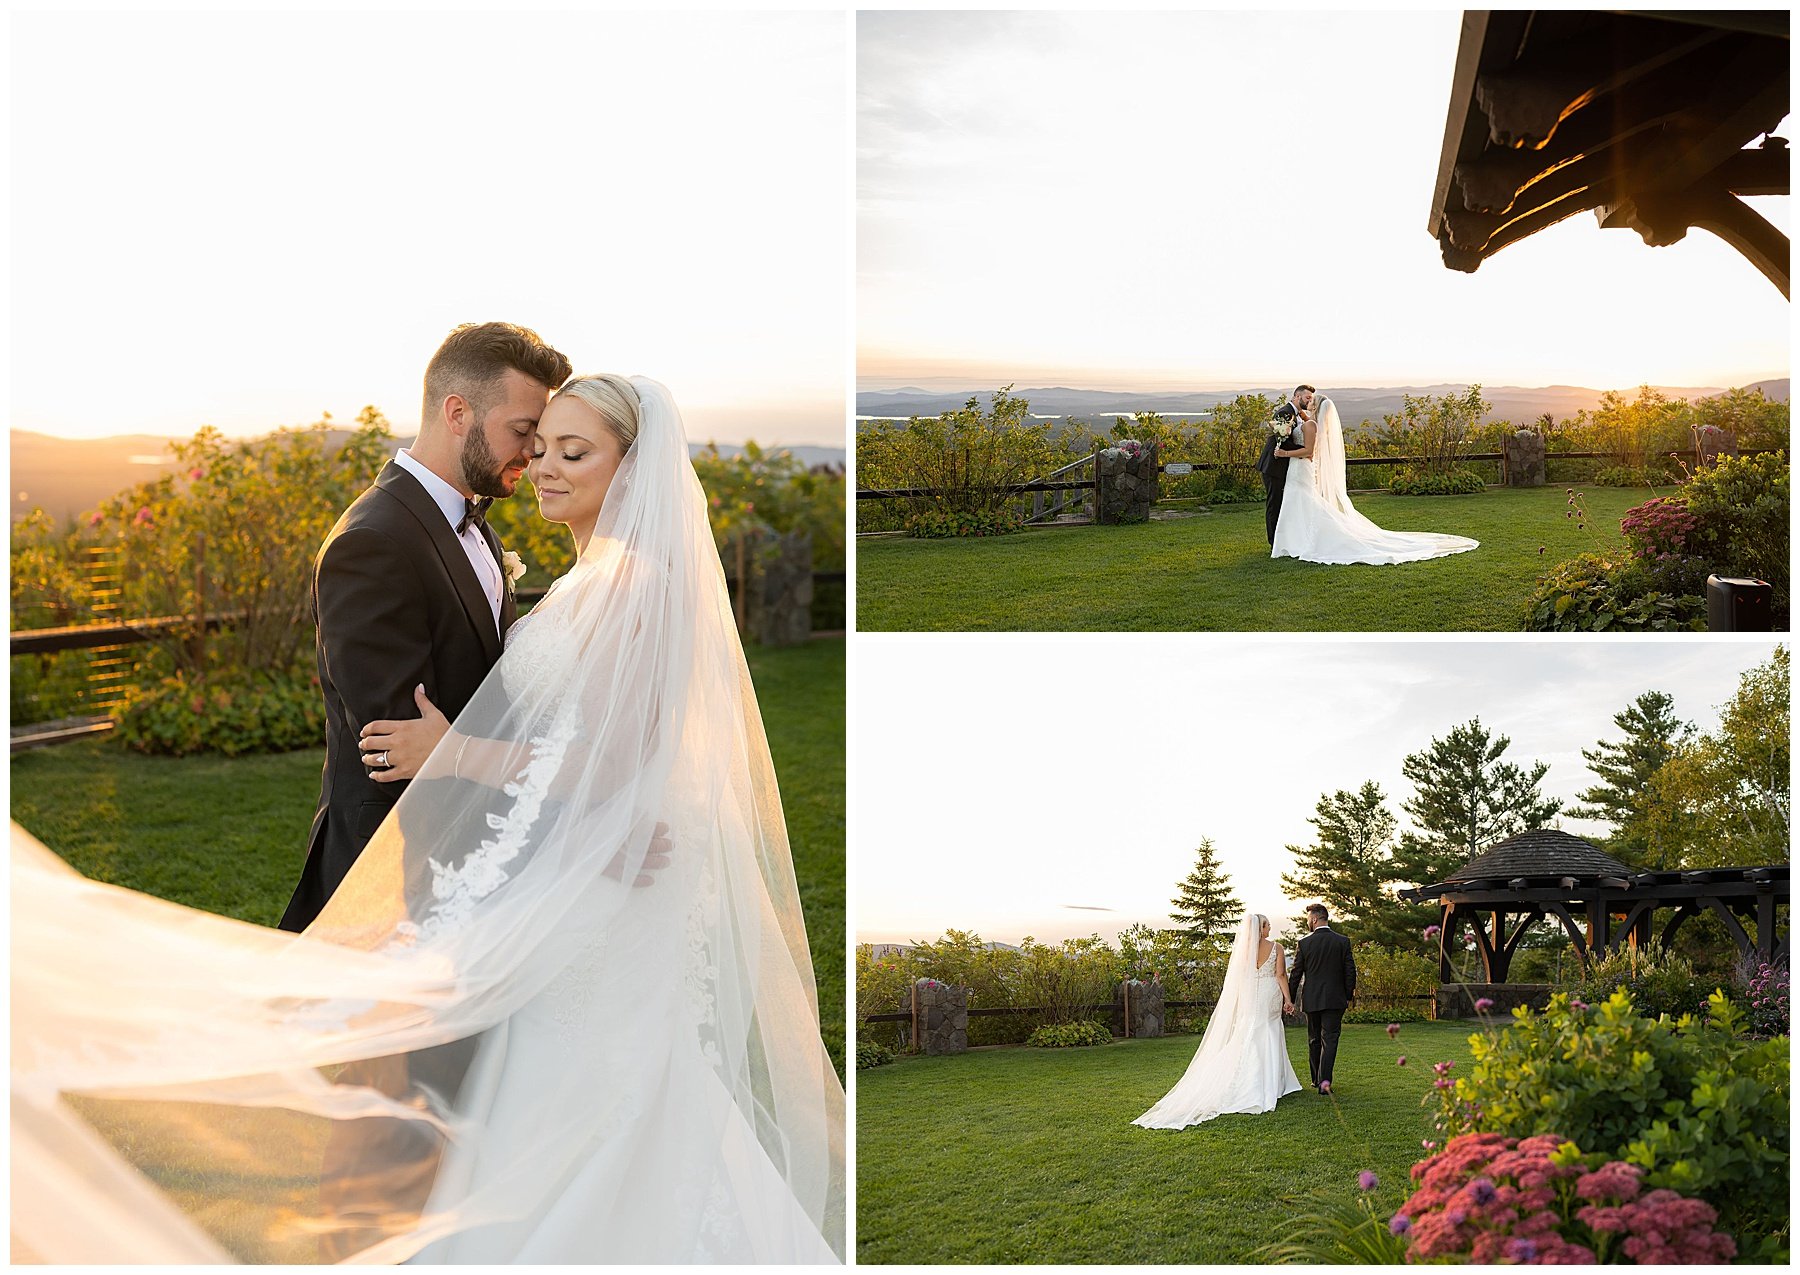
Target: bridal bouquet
{"type": "Point", "coordinates": [1281, 429]}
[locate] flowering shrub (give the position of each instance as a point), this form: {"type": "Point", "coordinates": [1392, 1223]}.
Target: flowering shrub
{"type": "Point", "coordinates": [1766, 998]}
{"type": "Point", "coordinates": [1490, 1198]}
{"type": "Point", "coordinates": [1658, 528]}
{"type": "Point", "coordinates": [1065, 1035]}
{"type": "Point", "coordinates": [1740, 507]}
{"type": "Point", "coordinates": [1697, 1105]}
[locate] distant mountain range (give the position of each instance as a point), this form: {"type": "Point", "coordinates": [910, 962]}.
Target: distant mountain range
{"type": "Point", "coordinates": [65, 477]}
{"type": "Point", "coordinates": [1510, 403]}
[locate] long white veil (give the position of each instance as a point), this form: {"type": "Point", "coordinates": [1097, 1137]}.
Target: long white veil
{"type": "Point", "coordinates": [1224, 1046]}
{"type": "Point", "coordinates": [189, 1088]}
{"type": "Point", "coordinates": [1330, 469]}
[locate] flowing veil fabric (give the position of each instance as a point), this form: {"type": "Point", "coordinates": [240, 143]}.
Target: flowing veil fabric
{"type": "Point", "coordinates": [489, 1046]}
{"type": "Point", "coordinates": [1242, 1063]}
{"type": "Point", "coordinates": [1318, 522]}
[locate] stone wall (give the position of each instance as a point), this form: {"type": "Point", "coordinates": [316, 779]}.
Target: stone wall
{"type": "Point", "coordinates": [1147, 1014]}
{"type": "Point", "coordinates": [1524, 452]}
{"type": "Point", "coordinates": [1457, 1000]}
{"type": "Point", "coordinates": [778, 610]}
{"type": "Point", "coordinates": [943, 1015]}
{"type": "Point", "coordinates": [1128, 484]}
{"type": "Point", "coordinates": [1712, 442]}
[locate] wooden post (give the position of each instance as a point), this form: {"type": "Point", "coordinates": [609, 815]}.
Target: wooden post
{"type": "Point", "coordinates": [915, 1016]}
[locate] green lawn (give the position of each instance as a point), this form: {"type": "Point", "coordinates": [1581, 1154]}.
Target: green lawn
{"type": "Point", "coordinates": [1213, 571]}
{"type": "Point", "coordinates": [1015, 1155]}
{"type": "Point", "coordinates": [229, 835]}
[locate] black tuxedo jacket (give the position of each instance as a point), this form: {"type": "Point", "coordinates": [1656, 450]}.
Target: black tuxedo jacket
{"type": "Point", "coordinates": [397, 604]}
{"type": "Point", "coordinates": [1322, 974]}
{"type": "Point", "coordinates": [1269, 461]}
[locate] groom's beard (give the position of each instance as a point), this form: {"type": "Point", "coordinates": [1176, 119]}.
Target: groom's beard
{"type": "Point", "coordinates": [481, 469]}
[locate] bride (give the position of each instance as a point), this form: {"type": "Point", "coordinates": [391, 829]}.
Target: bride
{"type": "Point", "coordinates": [1242, 1063]}
{"type": "Point", "coordinates": [1319, 524]}
{"type": "Point", "coordinates": [515, 1033]}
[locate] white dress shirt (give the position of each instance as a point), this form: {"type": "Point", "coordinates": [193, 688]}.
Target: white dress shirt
{"type": "Point", "coordinates": [451, 501]}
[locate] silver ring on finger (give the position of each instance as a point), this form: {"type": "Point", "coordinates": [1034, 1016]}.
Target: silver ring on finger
{"type": "Point", "coordinates": [381, 760]}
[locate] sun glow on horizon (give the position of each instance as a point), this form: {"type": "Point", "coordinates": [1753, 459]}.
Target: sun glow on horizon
{"type": "Point", "coordinates": [1247, 208]}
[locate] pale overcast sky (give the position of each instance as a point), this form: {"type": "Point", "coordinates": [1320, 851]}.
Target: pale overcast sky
{"type": "Point", "coordinates": [245, 219]}
{"type": "Point", "coordinates": [1167, 199]}
{"type": "Point", "coordinates": [1056, 785]}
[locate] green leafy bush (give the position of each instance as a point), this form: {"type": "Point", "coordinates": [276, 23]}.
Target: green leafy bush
{"type": "Point", "coordinates": [229, 713]}
{"type": "Point", "coordinates": [1658, 982]}
{"type": "Point", "coordinates": [1069, 1035]}
{"type": "Point", "coordinates": [1413, 481]}
{"type": "Point", "coordinates": [939, 524]}
{"type": "Point", "coordinates": [1600, 592]}
{"type": "Point", "coordinates": [1740, 507]}
{"type": "Point", "coordinates": [872, 1054]}
{"type": "Point", "coordinates": [1697, 1104]}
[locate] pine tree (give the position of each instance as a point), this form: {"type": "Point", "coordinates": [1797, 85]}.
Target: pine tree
{"type": "Point", "coordinates": [1203, 904]}
{"type": "Point", "coordinates": [1350, 865]}
{"type": "Point", "coordinates": [1627, 770]}
{"type": "Point", "coordinates": [1465, 799]}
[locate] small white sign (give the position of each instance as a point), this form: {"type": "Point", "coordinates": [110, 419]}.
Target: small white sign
{"type": "Point", "coordinates": [1179, 467]}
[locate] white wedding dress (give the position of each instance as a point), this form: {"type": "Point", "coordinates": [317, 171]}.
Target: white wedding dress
{"type": "Point", "coordinates": [488, 1047]}
{"type": "Point", "coordinates": [1242, 1063]}
{"type": "Point", "coordinates": [1319, 524]}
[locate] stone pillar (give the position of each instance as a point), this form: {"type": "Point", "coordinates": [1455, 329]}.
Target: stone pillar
{"type": "Point", "coordinates": [1712, 442]}
{"type": "Point", "coordinates": [1146, 1008]}
{"type": "Point", "coordinates": [1128, 482]}
{"type": "Point", "coordinates": [779, 608]}
{"type": "Point", "coordinates": [1524, 452]}
{"type": "Point", "coordinates": [941, 1017]}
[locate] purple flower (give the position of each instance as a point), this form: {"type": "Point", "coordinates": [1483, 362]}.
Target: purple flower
{"type": "Point", "coordinates": [1400, 1225]}
{"type": "Point", "coordinates": [1481, 1191]}
{"type": "Point", "coordinates": [1400, 1061]}
{"type": "Point", "coordinates": [1483, 1004]}
{"type": "Point", "coordinates": [1432, 931]}
{"type": "Point", "coordinates": [1393, 1030]}
{"type": "Point", "coordinates": [1578, 1004]}
{"type": "Point", "coordinates": [1522, 1250]}
{"type": "Point", "coordinates": [1367, 1180]}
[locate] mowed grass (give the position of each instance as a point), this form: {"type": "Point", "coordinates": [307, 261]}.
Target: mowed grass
{"type": "Point", "coordinates": [1213, 571]}
{"type": "Point", "coordinates": [229, 835]}
{"type": "Point", "coordinates": [1016, 1155]}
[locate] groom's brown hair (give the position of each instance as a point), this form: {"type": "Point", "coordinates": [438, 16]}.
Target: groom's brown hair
{"type": "Point", "coordinates": [475, 356]}
{"type": "Point", "coordinates": [1318, 910]}
{"type": "Point", "coordinates": [1309, 389]}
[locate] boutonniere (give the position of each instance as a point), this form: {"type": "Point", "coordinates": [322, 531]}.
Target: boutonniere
{"type": "Point", "coordinates": [513, 565]}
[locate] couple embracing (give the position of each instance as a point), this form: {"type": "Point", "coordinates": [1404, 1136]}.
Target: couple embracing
{"type": "Point", "coordinates": [1308, 512]}
{"type": "Point", "coordinates": [548, 996]}
{"type": "Point", "coordinates": [1242, 1063]}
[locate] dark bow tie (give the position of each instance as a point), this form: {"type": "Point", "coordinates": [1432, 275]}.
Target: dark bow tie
{"type": "Point", "coordinates": [474, 511]}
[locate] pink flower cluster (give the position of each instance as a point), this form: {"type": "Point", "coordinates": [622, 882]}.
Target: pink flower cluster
{"type": "Point", "coordinates": [1488, 1198]}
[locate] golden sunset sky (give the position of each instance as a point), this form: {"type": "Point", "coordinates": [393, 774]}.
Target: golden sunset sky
{"type": "Point", "coordinates": [1189, 200]}
{"type": "Point", "coordinates": [246, 219]}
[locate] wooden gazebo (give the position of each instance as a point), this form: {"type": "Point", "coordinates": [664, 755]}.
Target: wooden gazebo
{"type": "Point", "coordinates": [1645, 117]}
{"type": "Point", "coordinates": [1600, 902]}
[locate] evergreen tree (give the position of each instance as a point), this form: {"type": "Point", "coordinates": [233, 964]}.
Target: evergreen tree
{"type": "Point", "coordinates": [1465, 798]}
{"type": "Point", "coordinates": [1627, 769]}
{"type": "Point", "coordinates": [1350, 866]}
{"type": "Point", "coordinates": [1203, 904]}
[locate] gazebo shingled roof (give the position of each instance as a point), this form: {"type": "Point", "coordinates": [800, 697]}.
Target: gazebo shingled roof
{"type": "Point", "coordinates": [1541, 852]}
{"type": "Point", "coordinates": [1601, 903]}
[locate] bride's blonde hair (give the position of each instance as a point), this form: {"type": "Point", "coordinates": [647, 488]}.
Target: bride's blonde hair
{"type": "Point", "coordinates": [611, 395]}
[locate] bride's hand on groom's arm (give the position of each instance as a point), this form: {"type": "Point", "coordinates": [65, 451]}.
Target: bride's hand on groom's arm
{"type": "Point", "coordinates": [407, 744]}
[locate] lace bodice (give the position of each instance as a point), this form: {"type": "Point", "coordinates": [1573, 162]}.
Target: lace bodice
{"type": "Point", "coordinates": [1267, 968]}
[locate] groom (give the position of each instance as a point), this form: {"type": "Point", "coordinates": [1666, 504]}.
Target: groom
{"type": "Point", "coordinates": [409, 593]}
{"type": "Point", "coordinates": [1274, 467]}
{"type": "Point", "coordinates": [1322, 980]}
